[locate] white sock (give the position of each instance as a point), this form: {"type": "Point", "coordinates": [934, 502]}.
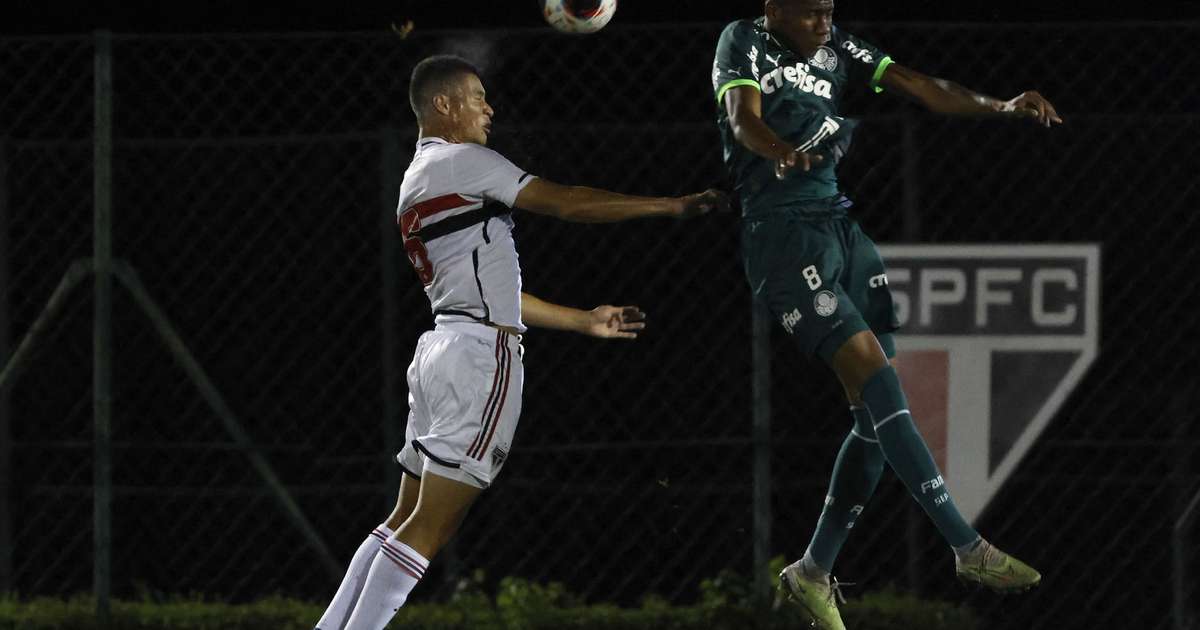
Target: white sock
{"type": "Point", "coordinates": [394, 572]}
{"type": "Point", "coordinates": [356, 575]}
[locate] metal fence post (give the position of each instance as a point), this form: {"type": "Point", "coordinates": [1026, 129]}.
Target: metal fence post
{"type": "Point", "coordinates": [1186, 505]}
{"type": "Point", "coordinates": [760, 339]}
{"type": "Point", "coordinates": [102, 331]}
{"type": "Point", "coordinates": [389, 177]}
{"type": "Point", "coordinates": [910, 229]}
{"type": "Point", "coordinates": [1180, 548]}
{"type": "Point", "coordinates": [6, 539]}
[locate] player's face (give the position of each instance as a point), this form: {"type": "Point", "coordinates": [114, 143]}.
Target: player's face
{"type": "Point", "coordinates": [803, 24]}
{"type": "Point", "coordinates": [473, 116]}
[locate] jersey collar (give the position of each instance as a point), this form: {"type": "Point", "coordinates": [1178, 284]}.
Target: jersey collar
{"type": "Point", "coordinates": [429, 141]}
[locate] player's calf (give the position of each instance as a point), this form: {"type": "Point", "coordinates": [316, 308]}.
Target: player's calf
{"type": "Point", "coordinates": [909, 456]}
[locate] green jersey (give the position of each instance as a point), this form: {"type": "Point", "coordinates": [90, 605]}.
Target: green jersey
{"type": "Point", "coordinates": [799, 103]}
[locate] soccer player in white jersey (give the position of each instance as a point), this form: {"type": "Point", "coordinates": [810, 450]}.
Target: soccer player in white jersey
{"type": "Point", "coordinates": [465, 378]}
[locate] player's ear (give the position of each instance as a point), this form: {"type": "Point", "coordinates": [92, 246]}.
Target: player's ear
{"type": "Point", "coordinates": [441, 104]}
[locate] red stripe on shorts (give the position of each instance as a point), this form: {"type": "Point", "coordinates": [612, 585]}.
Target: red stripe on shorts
{"type": "Point", "coordinates": [503, 397]}
{"type": "Point", "coordinates": [497, 379]}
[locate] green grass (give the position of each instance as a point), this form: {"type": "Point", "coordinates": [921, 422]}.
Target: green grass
{"type": "Point", "coordinates": [725, 604]}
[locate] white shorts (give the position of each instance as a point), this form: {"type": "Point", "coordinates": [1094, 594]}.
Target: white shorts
{"type": "Point", "coordinates": [464, 399]}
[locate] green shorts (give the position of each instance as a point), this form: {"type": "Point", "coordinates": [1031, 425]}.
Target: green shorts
{"type": "Point", "coordinates": [821, 278]}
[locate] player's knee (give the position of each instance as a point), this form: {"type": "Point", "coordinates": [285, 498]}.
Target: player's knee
{"type": "Point", "coordinates": [438, 526]}
{"type": "Point", "coordinates": [426, 535]}
{"type": "Point", "coordinates": [857, 360]}
{"type": "Point", "coordinates": [863, 425]}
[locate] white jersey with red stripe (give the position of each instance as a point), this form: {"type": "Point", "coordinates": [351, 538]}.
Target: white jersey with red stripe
{"type": "Point", "coordinates": [454, 214]}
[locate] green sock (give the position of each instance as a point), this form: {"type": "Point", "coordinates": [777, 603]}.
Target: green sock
{"type": "Point", "coordinates": [908, 455]}
{"type": "Point", "coordinates": [855, 474]}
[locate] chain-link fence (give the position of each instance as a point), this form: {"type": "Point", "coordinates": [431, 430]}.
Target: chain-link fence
{"type": "Point", "coordinates": [262, 315]}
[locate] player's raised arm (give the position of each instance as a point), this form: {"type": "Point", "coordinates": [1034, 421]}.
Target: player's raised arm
{"type": "Point", "coordinates": [947, 97]}
{"type": "Point", "coordinates": [592, 205]}
{"type": "Point", "coordinates": [743, 105]}
{"type": "Point", "coordinates": [611, 322]}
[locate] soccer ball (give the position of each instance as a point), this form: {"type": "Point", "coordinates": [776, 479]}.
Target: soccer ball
{"type": "Point", "coordinates": [578, 16]}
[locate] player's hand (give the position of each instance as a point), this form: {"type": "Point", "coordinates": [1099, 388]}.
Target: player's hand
{"type": "Point", "coordinates": [703, 203]}
{"type": "Point", "coordinates": [795, 159]}
{"type": "Point", "coordinates": [614, 322]}
{"type": "Point", "coordinates": [1034, 106]}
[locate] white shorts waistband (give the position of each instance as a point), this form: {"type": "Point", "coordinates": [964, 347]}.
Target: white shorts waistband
{"type": "Point", "coordinates": [474, 329]}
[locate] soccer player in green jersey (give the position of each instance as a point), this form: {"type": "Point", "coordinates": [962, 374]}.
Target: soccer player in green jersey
{"type": "Point", "coordinates": [778, 82]}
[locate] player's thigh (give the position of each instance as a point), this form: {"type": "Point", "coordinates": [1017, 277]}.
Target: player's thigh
{"type": "Point", "coordinates": [795, 268]}
{"type": "Point", "coordinates": [443, 502]}
{"type": "Point", "coordinates": [866, 283]}
{"type": "Point", "coordinates": [856, 360]}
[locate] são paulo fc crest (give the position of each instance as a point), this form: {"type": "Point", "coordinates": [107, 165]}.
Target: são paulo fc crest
{"type": "Point", "coordinates": [825, 303]}
{"type": "Point", "coordinates": [993, 339]}
{"type": "Point", "coordinates": [825, 59]}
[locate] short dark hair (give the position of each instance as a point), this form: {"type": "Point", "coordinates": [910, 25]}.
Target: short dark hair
{"type": "Point", "coordinates": [786, 3]}
{"type": "Point", "coordinates": [433, 74]}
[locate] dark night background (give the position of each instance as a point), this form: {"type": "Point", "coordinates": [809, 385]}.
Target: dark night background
{"type": "Point", "coordinates": [254, 191]}
{"type": "Point", "coordinates": [149, 16]}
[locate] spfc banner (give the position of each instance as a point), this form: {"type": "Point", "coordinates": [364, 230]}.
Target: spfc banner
{"type": "Point", "coordinates": [993, 339]}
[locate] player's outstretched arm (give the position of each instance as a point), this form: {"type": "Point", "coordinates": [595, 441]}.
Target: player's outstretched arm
{"type": "Point", "coordinates": [609, 322]}
{"type": "Point", "coordinates": [592, 205]}
{"type": "Point", "coordinates": [743, 104]}
{"type": "Point", "coordinates": [947, 97]}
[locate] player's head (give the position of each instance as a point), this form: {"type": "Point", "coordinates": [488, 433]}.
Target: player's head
{"type": "Point", "coordinates": [449, 100]}
{"type": "Point", "coordinates": [803, 25]}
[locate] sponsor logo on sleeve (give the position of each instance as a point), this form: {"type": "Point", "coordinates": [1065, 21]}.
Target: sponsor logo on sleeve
{"type": "Point", "coordinates": [859, 53]}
